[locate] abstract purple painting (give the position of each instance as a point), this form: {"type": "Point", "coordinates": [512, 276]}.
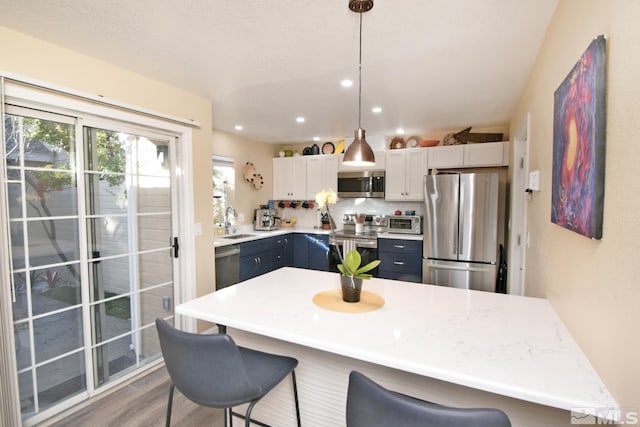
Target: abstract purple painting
{"type": "Point", "coordinates": [577, 189]}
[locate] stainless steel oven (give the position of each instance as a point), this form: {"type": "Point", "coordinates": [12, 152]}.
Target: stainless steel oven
{"type": "Point", "coordinates": [365, 242]}
{"type": "Point", "coordinates": [367, 247]}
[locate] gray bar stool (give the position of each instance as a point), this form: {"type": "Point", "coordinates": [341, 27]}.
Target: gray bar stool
{"type": "Point", "coordinates": [211, 370]}
{"type": "Point", "coordinates": [369, 404]}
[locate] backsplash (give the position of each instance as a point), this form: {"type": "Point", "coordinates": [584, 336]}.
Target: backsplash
{"type": "Point", "coordinates": [311, 217]}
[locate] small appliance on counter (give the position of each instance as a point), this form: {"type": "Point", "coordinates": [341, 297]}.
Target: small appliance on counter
{"type": "Point", "coordinates": [266, 220]}
{"type": "Point", "coordinates": [406, 224]}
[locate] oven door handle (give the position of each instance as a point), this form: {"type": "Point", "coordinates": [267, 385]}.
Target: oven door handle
{"type": "Point", "coordinates": [367, 244]}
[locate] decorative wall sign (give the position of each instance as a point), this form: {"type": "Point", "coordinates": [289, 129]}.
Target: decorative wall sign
{"type": "Point", "coordinates": [251, 175]}
{"type": "Point", "coordinates": [577, 199]}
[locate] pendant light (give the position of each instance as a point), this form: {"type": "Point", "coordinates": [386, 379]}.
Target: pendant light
{"type": "Point", "coordinates": [359, 152]}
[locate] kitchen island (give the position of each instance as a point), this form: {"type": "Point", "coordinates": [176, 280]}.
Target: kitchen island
{"type": "Point", "coordinates": [450, 346]}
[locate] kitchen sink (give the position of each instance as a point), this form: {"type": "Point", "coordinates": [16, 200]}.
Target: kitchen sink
{"type": "Point", "coordinates": [237, 236]}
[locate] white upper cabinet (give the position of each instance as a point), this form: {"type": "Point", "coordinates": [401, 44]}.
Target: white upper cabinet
{"type": "Point", "coordinates": [449, 156]}
{"type": "Point", "coordinates": [322, 173]}
{"type": "Point", "coordinates": [301, 177]}
{"type": "Point", "coordinates": [486, 154]}
{"type": "Point", "coordinates": [289, 178]}
{"type": "Point", "coordinates": [469, 155]}
{"type": "Point", "coordinates": [404, 171]}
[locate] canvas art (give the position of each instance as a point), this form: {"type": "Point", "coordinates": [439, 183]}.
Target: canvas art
{"type": "Point", "coordinates": [579, 145]}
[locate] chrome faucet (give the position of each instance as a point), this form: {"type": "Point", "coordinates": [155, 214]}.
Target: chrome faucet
{"type": "Point", "coordinates": [227, 220]}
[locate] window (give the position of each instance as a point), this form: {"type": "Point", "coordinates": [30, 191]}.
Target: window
{"type": "Point", "coordinates": [223, 188]}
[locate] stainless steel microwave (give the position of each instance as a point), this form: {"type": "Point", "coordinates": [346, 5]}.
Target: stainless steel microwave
{"type": "Point", "coordinates": [407, 224]}
{"type": "Point", "coordinates": [361, 184]}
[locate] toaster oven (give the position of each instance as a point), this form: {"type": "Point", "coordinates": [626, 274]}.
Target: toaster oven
{"type": "Point", "coordinates": [407, 224]}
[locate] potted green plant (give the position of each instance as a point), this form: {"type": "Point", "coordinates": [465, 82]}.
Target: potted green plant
{"type": "Point", "coordinates": [353, 274]}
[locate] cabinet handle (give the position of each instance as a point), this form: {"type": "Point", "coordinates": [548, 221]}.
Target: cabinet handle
{"type": "Point", "coordinates": [398, 262]}
{"type": "Point", "coordinates": [398, 246]}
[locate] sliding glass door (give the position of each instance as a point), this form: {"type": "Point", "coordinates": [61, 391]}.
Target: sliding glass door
{"type": "Point", "coordinates": [91, 227]}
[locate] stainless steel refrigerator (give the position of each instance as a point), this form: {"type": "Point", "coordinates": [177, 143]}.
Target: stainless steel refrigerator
{"type": "Point", "coordinates": [460, 236]}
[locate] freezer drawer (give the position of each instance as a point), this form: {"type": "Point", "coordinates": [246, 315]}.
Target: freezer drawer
{"type": "Point", "coordinates": [463, 275]}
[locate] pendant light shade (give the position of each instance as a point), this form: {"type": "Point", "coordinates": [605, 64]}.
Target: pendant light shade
{"type": "Point", "coordinates": [359, 153]}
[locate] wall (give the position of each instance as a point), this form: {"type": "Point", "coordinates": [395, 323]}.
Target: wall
{"type": "Point", "coordinates": [593, 285]}
{"type": "Point", "coordinates": [244, 150]}
{"type": "Point", "coordinates": [30, 57]}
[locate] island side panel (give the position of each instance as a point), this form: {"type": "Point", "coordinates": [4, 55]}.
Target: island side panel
{"type": "Point", "coordinates": [322, 388]}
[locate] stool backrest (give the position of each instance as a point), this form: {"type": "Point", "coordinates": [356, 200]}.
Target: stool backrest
{"type": "Point", "coordinates": [206, 368]}
{"type": "Point", "coordinates": [369, 404]}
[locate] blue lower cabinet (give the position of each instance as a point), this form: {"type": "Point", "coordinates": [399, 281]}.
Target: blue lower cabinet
{"type": "Point", "coordinates": [255, 265]}
{"type": "Point", "coordinates": [257, 257]}
{"type": "Point", "coordinates": [311, 251]}
{"type": "Point", "coordinates": [300, 251]}
{"type": "Point", "coordinates": [296, 249]}
{"type": "Point", "coordinates": [318, 252]}
{"type": "Point", "coordinates": [282, 251]}
{"type": "Point", "coordinates": [400, 259]}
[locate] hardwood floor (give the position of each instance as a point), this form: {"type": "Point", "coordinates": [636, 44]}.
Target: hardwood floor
{"type": "Point", "coordinates": [142, 403]}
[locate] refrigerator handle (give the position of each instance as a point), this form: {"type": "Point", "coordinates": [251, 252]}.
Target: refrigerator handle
{"type": "Point", "coordinates": [461, 218]}
{"type": "Point", "coordinates": [459, 268]}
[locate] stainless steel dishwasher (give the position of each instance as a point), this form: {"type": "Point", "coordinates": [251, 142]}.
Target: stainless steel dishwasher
{"type": "Point", "coordinates": [227, 266]}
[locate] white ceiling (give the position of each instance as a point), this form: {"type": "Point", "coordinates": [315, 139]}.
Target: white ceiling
{"type": "Point", "coordinates": [430, 64]}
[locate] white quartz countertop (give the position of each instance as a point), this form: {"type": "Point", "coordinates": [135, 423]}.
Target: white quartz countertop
{"type": "Point", "coordinates": [251, 234]}
{"type": "Point", "coordinates": [505, 344]}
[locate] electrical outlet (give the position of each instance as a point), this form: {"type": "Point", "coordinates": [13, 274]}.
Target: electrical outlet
{"type": "Point", "coordinates": [534, 180]}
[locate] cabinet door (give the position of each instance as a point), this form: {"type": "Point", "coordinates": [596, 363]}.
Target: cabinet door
{"type": "Point", "coordinates": [283, 251]}
{"type": "Point", "coordinates": [395, 175]}
{"type": "Point", "coordinates": [319, 252]}
{"type": "Point", "coordinates": [281, 176]}
{"type": "Point", "coordinates": [451, 156]}
{"type": "Point", "coordinates": [289, 178]}
{"type": "Point", "coordinates": [416, 168]}
{"type": "Point", "coordinates": [485, 154]}
{"type": "Point", "coordinates": [331, 164]}
{"type": "Point", "coordinates": [298, 182]}
{"type": "Point", "coordinates": [314, 176]}
{"type": "Point", "coordinates": [300, 251]}
{"type": "Point", "coordinates": [322, 173]}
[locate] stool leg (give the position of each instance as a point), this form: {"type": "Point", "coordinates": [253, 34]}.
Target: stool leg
{"type": "Point", "coordinates": [169, 404]}
{"type": "Point", "coordinates": [295, 396]}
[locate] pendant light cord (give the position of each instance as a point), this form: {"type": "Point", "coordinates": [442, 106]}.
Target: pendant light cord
{"type": "Point", "coordinates": [360, 76]}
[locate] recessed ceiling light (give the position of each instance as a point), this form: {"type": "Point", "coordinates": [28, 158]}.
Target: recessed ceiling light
{"type": "Point", "coordinates": [400, 131]}
{"type": "Point", "coordinates": [316, 138]}
{"type": "Point", "coordinates": [346, 83]}
{"type": "Point", "coordinates": [300, 119]}
{"type": "Point", "coordinates": [239, 127]}
{"type": "Point", "coordinates": [376, 110]}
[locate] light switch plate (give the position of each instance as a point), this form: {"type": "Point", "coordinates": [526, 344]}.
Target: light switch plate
{"type": "Point", "coordinates": [534, 180]}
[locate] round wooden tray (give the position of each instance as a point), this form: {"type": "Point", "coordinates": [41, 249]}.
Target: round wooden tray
{"type": "Point", "coordinates": [332, 300]}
